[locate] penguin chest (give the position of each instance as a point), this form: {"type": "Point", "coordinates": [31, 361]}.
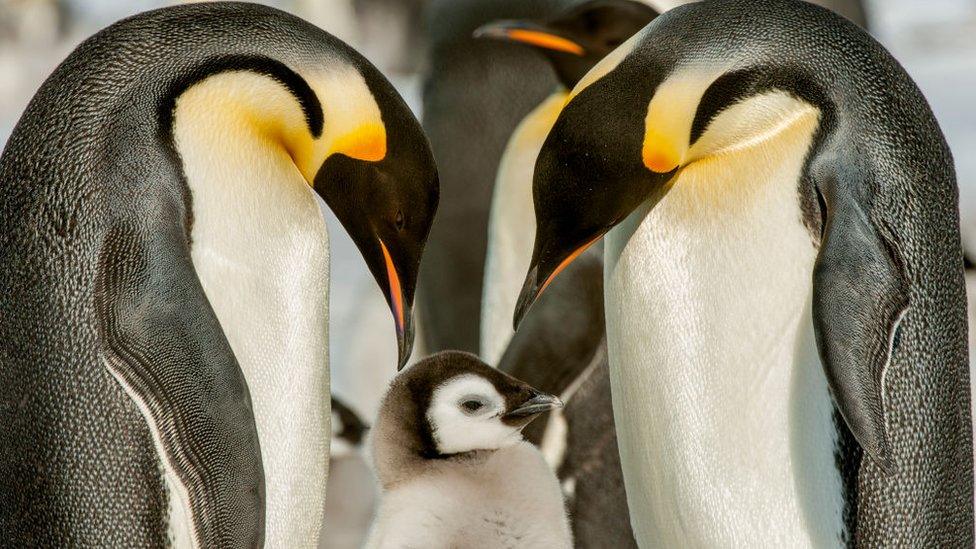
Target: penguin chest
{"type": "Point", "coordinates": [511, 227]}
{"type": "Point", "coordinates": [726, 427]}
{"type": "Point", "coordinates": [260, 249]}
{"type": "Point", "coordinates": [512, 500]}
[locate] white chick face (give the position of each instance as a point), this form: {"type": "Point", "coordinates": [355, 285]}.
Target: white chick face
{"type": "Point", "coordinates": [466, 413]}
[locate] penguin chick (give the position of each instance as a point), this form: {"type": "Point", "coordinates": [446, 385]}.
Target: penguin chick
{"type": "Point", "coordinates": [453, 468]}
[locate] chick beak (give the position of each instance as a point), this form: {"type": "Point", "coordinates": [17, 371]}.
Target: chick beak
{"type": "Point", "coordinates": [538, 403]}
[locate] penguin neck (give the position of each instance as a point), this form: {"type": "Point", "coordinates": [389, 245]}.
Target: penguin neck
{"type": "Point", "coordinates": [511, 227]}
{"type": "Point", "coordinates": [397, 445]}
{"type": "Point", "coordinates": [714, 367]}
{"type": "Point", "coordinates": [401, 453]}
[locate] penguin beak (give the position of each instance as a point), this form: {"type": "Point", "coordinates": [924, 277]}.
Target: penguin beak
{"type": "Point", "coordinates": [527, 411]}
{"type": "Point", "coordinates": [537, 280]}
{"type": "Point", "coordinates": [531, 34]}
{"type": "Point", "coordinates": [402, 317]}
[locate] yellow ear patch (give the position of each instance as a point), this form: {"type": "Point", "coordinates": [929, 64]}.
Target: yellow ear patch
{"type": "Point", "coordinates": [353, 121]}
{"type": "Point", "coordinates": [667, 127]}
{"type": "Point", "coordinates": [366, 142]}
{"type": "Point", "coordinates": [658, 153]}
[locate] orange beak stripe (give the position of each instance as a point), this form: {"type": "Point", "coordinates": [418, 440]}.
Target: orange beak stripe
{"type": "Point", "coordinates": [567, 261]}
{"type": "Point", "coordinates": [544, 40]}
{"type": "Point", "coordinates": [396, 296]}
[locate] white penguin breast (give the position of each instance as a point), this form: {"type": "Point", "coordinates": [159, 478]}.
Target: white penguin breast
{"type": "Point", "coordinates": [724, 420]}
{"type": "Point", "coordinates": [511, 227]}
{"type": "Point", "coordinates": [260, 249]}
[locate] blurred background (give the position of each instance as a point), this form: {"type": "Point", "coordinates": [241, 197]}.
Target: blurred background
{"type": "Point", "coordinates": [934, 40]}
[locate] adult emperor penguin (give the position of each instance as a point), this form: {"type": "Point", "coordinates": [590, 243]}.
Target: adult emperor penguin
{"type": "Point", "coordinates": [165, 276]}
{"type": "Point", "coordinates": [784, 287]}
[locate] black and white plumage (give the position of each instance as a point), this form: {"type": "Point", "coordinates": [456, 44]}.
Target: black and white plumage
{"type": "Point", "coordinates": [164, 265]}
{"type": "Point", "coordinates": [454, 470]}
{"type": "Point", "coordinates": [785, 300]}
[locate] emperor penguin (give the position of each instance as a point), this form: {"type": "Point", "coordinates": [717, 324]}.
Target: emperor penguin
{"type": "Point", "coordinates": [475, 93]}
{"type": "Point", "coordinates": [164, 268]}
{"type": "Point", "coordinates": [784, 285]}
{"type": "Point", "coordinates": [452, 465]}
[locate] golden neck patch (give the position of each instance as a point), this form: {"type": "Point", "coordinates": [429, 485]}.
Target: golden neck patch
{"type": "Point", "coordinates": [353, 123]}
{"type": "Point", "coordinates": [670, 114]}
{"type": "Point", "coordinates": [239, 103]}
{"type": "Point", "coordinates": [746, 123]}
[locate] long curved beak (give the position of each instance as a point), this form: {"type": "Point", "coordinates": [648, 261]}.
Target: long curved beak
{"type": "Point", "coordinates": [529, 33]}
{"type": "Point", "coordinates": [402, 315]}
{"type": "Point", "coordinates": [536, 281]}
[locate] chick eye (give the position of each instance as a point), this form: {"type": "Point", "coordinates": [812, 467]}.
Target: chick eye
{"type": "Point", "coordinates": [399, 220]}
{"type": "Point", "coordinates": [472, 406]}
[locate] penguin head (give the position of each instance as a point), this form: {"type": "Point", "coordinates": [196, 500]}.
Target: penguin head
{"type": "Point", "coordinates": [315, 113]}
{"type": "Point", "coordinates": [576, 39]}
{"type": "Point", "coordinates": [380, 180]}
{"type": "Point", "coordinates": [457, 404]}
{"type": "Point", "coordinates": [667, 100]}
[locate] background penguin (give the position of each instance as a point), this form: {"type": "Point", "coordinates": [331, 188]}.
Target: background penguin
{"type": "Point", "coordinates": [165, 270]}
{"type": "Point", "coordinates": [561, 348]}
{"type": "Point", "coordinates": [733, 171]}
{"type": "Point", "coordinates": [573, 41]}
{"type": "Point", "coordinates": [454, 469]}
{"type": "Point", "coordinates": [475, 93]}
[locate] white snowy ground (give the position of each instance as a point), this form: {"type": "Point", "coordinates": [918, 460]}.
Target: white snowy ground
{"type": "Point", "coordinates": [935, 40]}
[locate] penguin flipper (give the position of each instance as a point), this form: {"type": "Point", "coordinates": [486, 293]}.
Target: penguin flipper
{"type": "Point", "coordinates": [860, 295]}
{"type": "Point", "coordinates": [163, 343]}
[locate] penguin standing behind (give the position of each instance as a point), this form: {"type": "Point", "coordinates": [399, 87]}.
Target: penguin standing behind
{"type": "Point", "coordinates": [452, 464]}
{"type": "Point", "coordinates": [164, 275]}
{"type": "Point", "coordinates": [475, 93]}
{"type": "Point", "coordinates": [561, 348]}
{"type": "Point", "coordinates": [730, 172]}
{"type": "Point", "coordinates": [572, 41]}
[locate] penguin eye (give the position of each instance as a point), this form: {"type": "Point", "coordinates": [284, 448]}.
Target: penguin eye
{"type": "Point", "coordinates": [399, 220]}
{"type": "Point", "coordinates": [471, 405]}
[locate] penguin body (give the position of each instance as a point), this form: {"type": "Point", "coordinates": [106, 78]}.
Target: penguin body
{"type": "Point", "coordinates": [453, 467]}
{"type": "Point", "coordinates": [754, 357]}
{"type": "Point", "coordinates": [271, 263]}
{"type": "Point", "coordinates": [166, 274]}
{"type": "Point", "coordinates": [753, 406]}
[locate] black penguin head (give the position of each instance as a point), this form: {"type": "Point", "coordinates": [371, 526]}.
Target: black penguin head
{"type": "Point", "coordinates": [579, 38]}
{"type": "Point", "coordinates": [589, 175]}
{"type": "Point", "coordinates": [663, 101]}
{"type": "Point", "coordinates": [382, 185]}
{"type": "Point", "coordinates": [460, 404]}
